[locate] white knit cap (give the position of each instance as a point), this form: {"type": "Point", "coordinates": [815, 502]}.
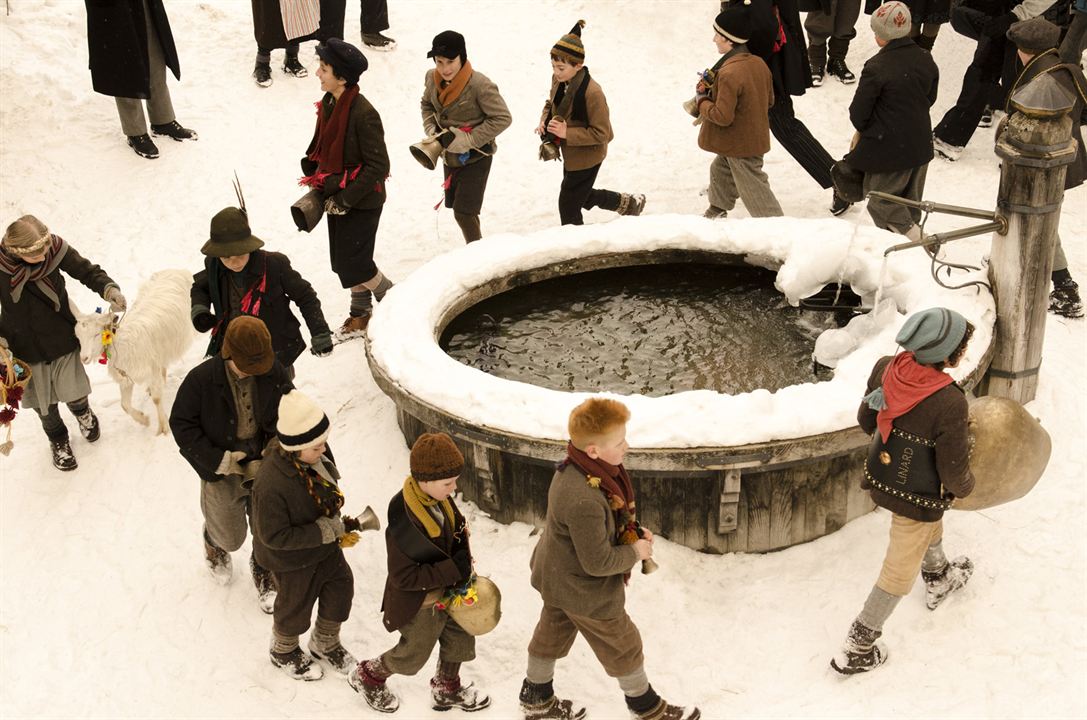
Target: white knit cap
{"type": "Point", "coordinates": [301, 423]}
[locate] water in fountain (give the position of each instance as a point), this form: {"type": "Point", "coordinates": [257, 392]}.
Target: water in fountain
{"type": "Point", "coordinates": [654, 330]}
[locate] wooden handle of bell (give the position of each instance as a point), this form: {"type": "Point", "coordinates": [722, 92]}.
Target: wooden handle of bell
{"type": "Point", "coordinates": [649, 565]}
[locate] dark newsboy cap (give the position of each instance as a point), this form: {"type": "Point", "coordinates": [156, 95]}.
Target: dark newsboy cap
{"type": "Point", "coordinates": [347, 61]}
{"type": "Point", "coordinates": [448, 44]}
{"type": "Point", "coordinates": [1035, 35]}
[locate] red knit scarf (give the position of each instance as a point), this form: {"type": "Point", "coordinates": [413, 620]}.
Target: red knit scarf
{"type": "Point", "coordinates": [906, 383]}
{"type": "Point", "coordinates": [614, 482]}
{"type": "Point", "coordinates": [326, 148]}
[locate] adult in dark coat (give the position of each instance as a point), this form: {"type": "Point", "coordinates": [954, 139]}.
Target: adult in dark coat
{"type": "Point", "coordinates": [270, 33]}
{"type": "Point", "coordinates": [890, 111]}
{"type": "Point", "coordinates": [347, 160]}
{"type": "Point", "coordinates": [1036, 40]}
{"type": "Point", "coordinates": [791, 72]}
{"type": "Point", "coordinates": [130, 46]}
{"type": "Point", "coordinates": [374, 19]}
{"type": "Point", "coordinates": [241, 279]}
{"type": "Point", "coordinates": [37, 326]}
{"type": "Point", "coordinates": [222, 419]}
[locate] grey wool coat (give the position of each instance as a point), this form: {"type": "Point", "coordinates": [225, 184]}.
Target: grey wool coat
{"type": "Point", "coordinates": [578, 565]}
{"type": "Point", "coordinates": [479, 106]}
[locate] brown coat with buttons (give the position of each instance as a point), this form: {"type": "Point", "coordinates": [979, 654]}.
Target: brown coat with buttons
{"type": "Point", "coordinates": [735, 116]}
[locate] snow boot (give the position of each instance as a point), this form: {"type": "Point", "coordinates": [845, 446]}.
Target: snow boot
{"type": "Point", "coordinates": [986, 119]}
{"type": "Point", "coordinates": [262, 74]}
{"type": "Point", "coordinates": [945, 149]}
{"type": "Point", "coordinates": [266, 587]}
{"type": "Point", "coordinates": [538, 702]}
{"type": "Point", "coordinates": [447, 691]}
{"type": "Point", "coordinates": [838, 205]}
{"type": "Point", "coordinates": [143, 146]}
{"type": "Point", "coordinates": [218, 561]}
{"type": "Point", "coordinates": [368, 678]}
{"type": "Point", "coordinates": [337, 657]}
{"type": "Point", "coordinates": [715, 213]}
{"type": "Point", "coordinates": [291, 66]}
{"type": "Point", "coordinates": [296, 664]}
{"type": "Point", "coordinates": [379, 42]}
{"type": "Point", "coordinates": [175, 131]}
{"type": "Point", "coordinates": [631, 204]}
{"type": "Point", "coordinates": [651, 706]}
{"type": "Point", "coordinates": [1064, 300]}
{"type": "Point", "coordinates": [63, 459]}
{"type": "Point", "coordinates": [88, 425]}
{"type": "Point", "coordinates": [817, 57]}
{"type": "Point", "coordinates": [941, 583]}
{"type": "Point", "coordinates": [353, 327]}
{"type": "Point", "coordinates": [861, 652]}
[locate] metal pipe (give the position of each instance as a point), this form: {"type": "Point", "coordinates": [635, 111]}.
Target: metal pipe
{"type": "Point", "coordinates": [999, 225]}
{"type": "Point", "coordinates": [929, 206]}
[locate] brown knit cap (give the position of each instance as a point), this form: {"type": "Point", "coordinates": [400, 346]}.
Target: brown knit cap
{"type": "Point", "coordinates": [249, 344]}
{"type": "Point", "coordinates": [435, 457]}
{"type": "Point", "coordinates": [26, 236]}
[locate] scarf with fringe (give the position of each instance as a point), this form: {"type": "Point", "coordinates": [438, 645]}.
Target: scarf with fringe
{"type": "Point", "coordinates": [326, 148]}
{"type": "Point", "coordinates": [614, 482]}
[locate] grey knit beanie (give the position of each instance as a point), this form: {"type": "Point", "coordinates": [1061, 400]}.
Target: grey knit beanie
{"type": "Point", "coordinates": [932, 335]}
{"type": "Point", "coordinates": [891, 21]}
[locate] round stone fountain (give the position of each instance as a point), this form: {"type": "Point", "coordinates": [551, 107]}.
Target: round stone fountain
{"type": "Point", "coordinates": [718, 465]}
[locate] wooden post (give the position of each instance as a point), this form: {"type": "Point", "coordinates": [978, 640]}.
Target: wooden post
{"type": "Point", "coordinates": [1035, 146]}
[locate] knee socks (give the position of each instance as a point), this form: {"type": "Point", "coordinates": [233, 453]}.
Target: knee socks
{"type": "Point", "coordinates": [634, 685]}
{"type": "Point", "coordinates": [935, 560]}
{"type": "Point", "coordinates": [540, 671]}
{"type": "Point", "coordinates": [283, 644]}
{"type": "Point", "coordinates": [53, 425]}
{"type": "Point", "coordinates": [326, 634]}
{"type": "Point", "coordinates": [877, 608]}
{"type": "Point", "coordinates": [378, 285]}
{"type": "Point", "coordinates": [360, 303]}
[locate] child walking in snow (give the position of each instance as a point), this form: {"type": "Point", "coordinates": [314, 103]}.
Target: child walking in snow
{"type": "Point", "coordinates": [918, 463]}
{"type": "Point", "coordinates": [734, 110]}
{"type": "Point", "coordinates": [581, 565]}
{"type": "Point", "coordinates": [429, 559]}
{"type": "Point", "coordinates": [576, 120]}
{"type": "Point", "coordinates": [38, 327]}
{"type": "Point", "coordinates": [298, 534]}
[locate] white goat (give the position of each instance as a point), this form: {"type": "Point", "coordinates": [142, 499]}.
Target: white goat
{"type": "Point", "coordinates": [154, 333]}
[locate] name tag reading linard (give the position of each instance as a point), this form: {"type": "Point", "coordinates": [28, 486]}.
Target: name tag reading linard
{"type": "Point", "coordinates": [903, 474]}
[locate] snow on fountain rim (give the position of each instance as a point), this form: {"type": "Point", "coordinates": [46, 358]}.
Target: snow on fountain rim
{"type": "Point", "coordinates": [811, 253]}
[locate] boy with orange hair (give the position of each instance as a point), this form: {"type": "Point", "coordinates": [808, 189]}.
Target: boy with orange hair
{"type": "Point", "coordinates": [590, 543]}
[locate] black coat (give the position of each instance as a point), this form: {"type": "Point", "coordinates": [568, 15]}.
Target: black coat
{"type": "Point", "coordinates": [789, 66]}
{"type": "Point", "coordinates": [364, 146]}
{"type": "Point", "coordinates": [37, 332]}
{"type": "Point", "coordinates": [890, 109]}
{"type": "Point", "coordinates": [283, 285]}
{"type": "Point", "coordinates": [202, 419]}
{"type": "Point", "coordinates": [268, 23]}
{"type": "Point", "coordinates": [1071, 79]}
{"type": "Point", "coordinates": [117, 44]}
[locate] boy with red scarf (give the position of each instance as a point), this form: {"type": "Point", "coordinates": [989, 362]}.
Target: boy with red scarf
{"type": "Point", "coordinates": [348, 162]}
{"type": "Point", "coordinates": [590, 543]}
{"type": "Point", "coordinates": [464, 108]}
{"type": "Point", "coordinates": [919, 462]}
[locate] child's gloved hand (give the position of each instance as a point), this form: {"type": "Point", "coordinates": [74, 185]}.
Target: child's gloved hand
{"type": "Point", "coordinates": [116, 300]}
{"type": "Point", "coordinates": [331, 529]}
{"type": "Point", "coordinates": [204, 321]}
{"type": "Point", "coordinates": [461, 143]}
{"type": "Point", "coordinates": [644, 549]}
{"type": "Point", "coordinates": [334, 208]}
{"type": "Point", "coordinates": [321, 344]}
{"type": "Point", "coordinates": [349, 539]}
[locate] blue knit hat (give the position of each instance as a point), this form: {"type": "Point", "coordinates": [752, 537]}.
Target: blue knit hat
{"type": "Point", "coordinates": [932, 335]}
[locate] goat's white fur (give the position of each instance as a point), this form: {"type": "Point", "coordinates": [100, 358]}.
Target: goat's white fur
{"type": "Point", "coordinates": [154, 333]}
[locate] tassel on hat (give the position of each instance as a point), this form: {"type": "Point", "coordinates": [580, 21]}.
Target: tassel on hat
{"type": "Point", "coordinates": [569, 45]}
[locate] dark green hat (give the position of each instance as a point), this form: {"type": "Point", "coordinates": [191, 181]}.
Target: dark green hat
{"type": "Point", "coordinates": [230, 235]}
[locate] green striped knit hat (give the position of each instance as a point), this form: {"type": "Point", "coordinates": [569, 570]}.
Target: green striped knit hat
{"type": "Point", "coordinates": [569, 45]}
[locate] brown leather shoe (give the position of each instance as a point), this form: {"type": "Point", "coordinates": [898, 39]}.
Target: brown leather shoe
{"type": "Point", "coordinates": [353, 327]}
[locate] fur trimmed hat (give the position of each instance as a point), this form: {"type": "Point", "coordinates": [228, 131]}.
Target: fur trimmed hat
{"type": "Point", "coordinates": [891, 21]}
{"type": "Point", "coordinates": [249, 344]}
{"type": "Point", "coordinates": [27, 236]}
{"type": "Point", "coordinates": [301, 423]}
{"type": "Point", "coordinates": [932, 335]}
{"type": "Point", "coordinates": [569, 45]}
{"type": "Point", "coordinates": [434, 456]}
{"type": "Point", "coordinates": [734, 23]}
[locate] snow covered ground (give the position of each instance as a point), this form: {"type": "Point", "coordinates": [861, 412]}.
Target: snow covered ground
{"type": "Point", "coordinates": [106, 609]}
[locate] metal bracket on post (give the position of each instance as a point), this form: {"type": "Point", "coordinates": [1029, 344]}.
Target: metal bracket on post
{"type": "Point", "coordinates": [488, 487]}
{"type": "Point", "coordinates": [728, 509]}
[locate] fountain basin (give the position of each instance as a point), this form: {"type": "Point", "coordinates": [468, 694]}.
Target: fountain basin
{"type": "Point", "coordinates": [750, 472]}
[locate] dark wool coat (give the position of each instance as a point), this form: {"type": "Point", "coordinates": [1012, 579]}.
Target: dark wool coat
{"type": "Point", "coordinates": [35, 331]}
{"type": "Point", "coordinates": [203, 419]}
{"type": "Point", "coordinates": [479, 106]}
{"type": "Point", "coordinates": [364, 144]}
{"type": "Point", "coordinates": [283, 284]}
{"type": "Point", "coordinates": [418, 566]}
{"type": "Point", "coordinates": [268, 23]}
{"type": "Point", "coordinates": [735, 120]}
{"type": "Point", "coordinates": [1071, 79]}
{"type": "Point", "coordinates": [587, 138]}
{"type": "Point", "coordinates": [577, 565]}
{"type": "Point", "coordinates": [789, 66]}
{"type": "Point", "coordinates": [117, 44]}
{"type": "Point", "coordinates": [941, 417]}
{"type": "Point", "coordinates": [286, 536]}
{"type": "Point", "coordinates": [890, 109]}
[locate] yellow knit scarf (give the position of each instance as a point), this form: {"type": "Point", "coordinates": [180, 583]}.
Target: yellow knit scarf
{"type": "Point", "coordinates": [418, 502]}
